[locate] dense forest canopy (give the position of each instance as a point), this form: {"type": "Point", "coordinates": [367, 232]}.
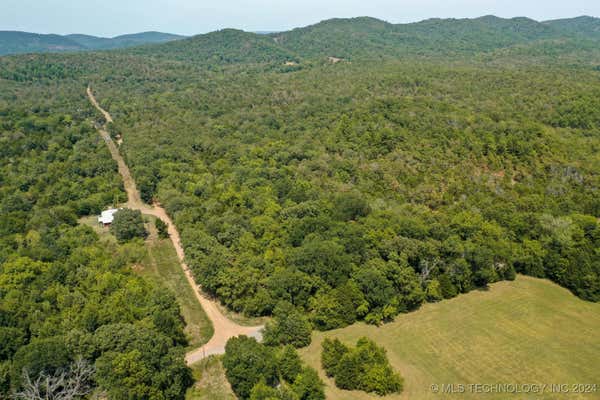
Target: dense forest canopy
{"type": "Point", "coordinates": [353, 170]}
{"type": "Point", "coordinates": [66, 298]}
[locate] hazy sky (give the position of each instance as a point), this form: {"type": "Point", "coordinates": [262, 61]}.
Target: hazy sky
{"type": "Point", "coordinates": [114, 17]}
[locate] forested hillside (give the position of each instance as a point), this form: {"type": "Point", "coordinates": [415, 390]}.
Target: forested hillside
{"type": "Point", "coordinates": [420, 162]}
{"type": "Point", "coordinates": [69, 304]}
{"type": "Point", "coordinates": [13, 42]}
{"type": "Point", "coordinates": [370, 38]}
{"type": "Point", "coordinates": [584, 26]}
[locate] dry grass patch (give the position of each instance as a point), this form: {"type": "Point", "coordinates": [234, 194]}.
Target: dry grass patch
{"type": "Point", "coordinates": [211, 383]}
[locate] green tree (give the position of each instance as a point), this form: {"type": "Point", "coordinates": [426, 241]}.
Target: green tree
{"type": "Point", "coordinates": [246, 363]}
{"type": "Point", "coordinates": [364, 367]}
{"type": "Point", "coordinates": [128, 224]}
{"type": "Point", "coordinates": [333, 351]}
{"type": "Point", "coordinates": [288, 326]}
{"type": "Point", "coordinates": [308, 385]}
{"type": "Point", "coordinates": [289, 363]}
{"type": "Point", "coordinates": [162, 228]}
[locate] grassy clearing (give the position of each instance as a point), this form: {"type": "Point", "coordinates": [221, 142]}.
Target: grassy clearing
{"type": "Point", "coordinates": [211, 383]}
{"type": "Point", "coordinates": [162, 265]}
{"type": "Point", "coordinates": [103, 233]}
{"type": "Point", "coordinates": [526, 331]}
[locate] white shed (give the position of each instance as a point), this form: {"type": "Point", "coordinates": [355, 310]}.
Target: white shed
{"type": "Point", "coordinates": [107, 217]}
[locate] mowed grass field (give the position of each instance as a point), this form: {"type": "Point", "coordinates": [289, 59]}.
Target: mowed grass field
{"type": "Point", "coordinates": [162, 265]}
{"type": "Point", "coordinates": [526, 331]}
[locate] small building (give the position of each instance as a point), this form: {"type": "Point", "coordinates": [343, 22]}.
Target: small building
{"type": "Point", "coordinates": [107, 217]}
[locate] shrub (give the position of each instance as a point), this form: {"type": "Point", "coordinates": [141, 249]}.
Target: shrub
{"type": "Point", "coordinates": [162, 228]}
{"type": "Point", "coordinates": [365, 367]}
{"type": "Point", "coordinates": [333, 351]}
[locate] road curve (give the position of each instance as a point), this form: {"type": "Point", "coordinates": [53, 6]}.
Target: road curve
{"type": "Point", "coordinates": [224, 329]}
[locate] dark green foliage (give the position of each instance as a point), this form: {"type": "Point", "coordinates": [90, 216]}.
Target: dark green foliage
{"type": "Point", "coordinates": [288, 326]}
{"type": "Point", "coordinates": [350, 206]}
{"type": "Point", "coordinates": [308, 385]}
{"type": "Point", "coordinates": [162, 228]}
{"type": "Point", "coordinates": [246, 363]}
{"type": "Point", "coordinates": [289, 364]}
{"type": "Point", "coordinates": [41, 355]}
{"type": "Point", "coordinates": [365, 367]}
{"type": "Point", "coordinates": [258, 372]}
{"type": "Point", "coordinates": [128, 224]}
{"type": "Point", "coordinates": [340, 307]}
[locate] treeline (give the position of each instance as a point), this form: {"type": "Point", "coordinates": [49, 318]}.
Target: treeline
{"type": "Point", "coordinates": [72, 314]}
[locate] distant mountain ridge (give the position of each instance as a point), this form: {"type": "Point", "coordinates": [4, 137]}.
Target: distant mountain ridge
{"type": "Point", "coordinates": [338, 38]}
{"type": "Point", "coordinates": [585, 26]}
{"type": "Point", "coordinates": [15, 42]}
{"type": "Point", "coordinates": [370, 38]}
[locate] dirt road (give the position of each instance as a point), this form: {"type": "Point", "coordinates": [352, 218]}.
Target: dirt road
{"type": "Point", "coordinates": [223, 327]}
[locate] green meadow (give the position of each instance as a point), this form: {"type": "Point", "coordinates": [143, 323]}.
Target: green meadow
{"type": "Point", "coordinates": [521, 332]}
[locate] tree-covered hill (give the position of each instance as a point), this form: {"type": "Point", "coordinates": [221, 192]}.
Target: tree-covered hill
{"type": "Point", "coordinates": [372, 39]}
{"type": "Point", "coordinates": [228, 46]}
{"type": "Point", "coordinates": [362, 37]}
{"type": "Point", "coordinates": [585, 26]}
{"type": "Point", "coordinates": [351, 38]}
{"type": "Point", "coordinates": [13, 42]}
{"type": "Point", "coordinates": [135, 39]}
{"type": "Point", "coordinates": [340, 38]}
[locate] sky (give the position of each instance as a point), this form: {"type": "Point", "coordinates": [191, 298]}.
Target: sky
{"type": "Point", "coordinates": [188, 17]}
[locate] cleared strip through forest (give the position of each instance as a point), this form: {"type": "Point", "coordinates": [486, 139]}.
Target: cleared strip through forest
{"type": "Point", "coordinates": [224, 328]}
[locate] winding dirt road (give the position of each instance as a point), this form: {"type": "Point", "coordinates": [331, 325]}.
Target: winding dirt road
{"type": "Point", "coordinates": [224, 329]}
